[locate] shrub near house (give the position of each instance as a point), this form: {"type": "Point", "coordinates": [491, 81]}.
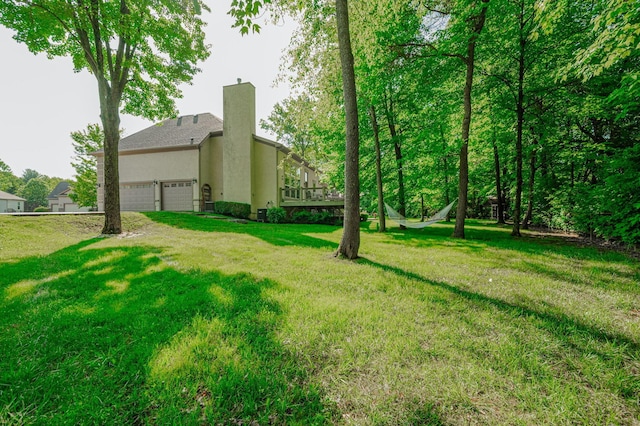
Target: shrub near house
{"type": "Point", "coordinates": [229, 208]}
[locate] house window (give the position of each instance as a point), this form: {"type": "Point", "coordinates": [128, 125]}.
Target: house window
{"type": "Point", "coordinates": [291, 180]}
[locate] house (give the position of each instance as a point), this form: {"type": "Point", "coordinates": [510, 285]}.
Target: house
{"type": "Point", "coordinates": [10, 203]}
{"type": "Point", "coordinates": [189, 162]}
{"type": "Point", "coordinates": [60, 201]}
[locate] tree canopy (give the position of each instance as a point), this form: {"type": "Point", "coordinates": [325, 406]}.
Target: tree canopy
{"type": "Point", "coordinates": [554, 136]}
{"type": "Point", "coordinates": [138, 51]}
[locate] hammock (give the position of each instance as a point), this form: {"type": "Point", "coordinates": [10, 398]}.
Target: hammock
{"type": "Point", "coordinates": [397, 217]}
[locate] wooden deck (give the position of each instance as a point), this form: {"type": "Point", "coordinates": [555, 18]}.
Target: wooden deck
{"type": "Point", "coordinates": [310, 197]}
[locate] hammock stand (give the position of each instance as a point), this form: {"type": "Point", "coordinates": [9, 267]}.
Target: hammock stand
{"type": "Point", "coordinates": [398, 218]}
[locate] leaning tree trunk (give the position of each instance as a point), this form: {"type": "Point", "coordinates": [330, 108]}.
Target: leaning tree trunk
{"type": "Point", "coordinates": [376, 138]}
{"type": "Point", "coordinates": [110, 117]}
{"type": "Point", "coordinates": [350, 242]}
{"type": "Point", "coordinates": [463, 182]}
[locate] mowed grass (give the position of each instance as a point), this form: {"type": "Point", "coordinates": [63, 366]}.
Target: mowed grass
{"type": "Point", "coordinates": [188, 319]}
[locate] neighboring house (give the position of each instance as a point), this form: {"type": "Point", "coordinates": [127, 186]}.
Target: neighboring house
{"type": "Point", "coordinates": [10, 203]}
{"type": "Point", "coordinates": [60, 201]}
{"type": "Point", "coordinates": [189, 162]}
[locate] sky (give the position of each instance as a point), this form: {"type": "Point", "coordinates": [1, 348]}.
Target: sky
{"type": "Point", "coordinates": [42, 101]}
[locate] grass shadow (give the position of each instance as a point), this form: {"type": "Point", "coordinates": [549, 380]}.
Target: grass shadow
{"type": "Point", "coordinates": [585, 340]}
{"type": "Point", "coordinates": [548, 256]}
{"type": "Point", "coordinates": [117, 336]}
{"type": "Point", "coordinates": [478, 235]}
{"type": "Point", "coordinates": [272, 233]}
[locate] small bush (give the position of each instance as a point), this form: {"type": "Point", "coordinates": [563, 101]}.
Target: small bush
{"type": "Point", "coordinates": [302, 217]}
{"type": "Point", "coordinates": [276, 214]}
{"type": "Point", "coordinates": [323, 217]}
{"type": "Point", "coordinates": [40, 209]}
{"type": "Point", "coordinates": [364, 217]}
{"type": "Point", "coordinates": [230, 208]}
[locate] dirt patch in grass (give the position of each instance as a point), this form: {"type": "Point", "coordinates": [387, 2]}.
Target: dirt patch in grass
{"type": "Point", "coordinates": [583, 240]}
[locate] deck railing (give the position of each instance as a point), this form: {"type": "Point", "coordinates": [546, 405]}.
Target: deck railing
{"type": "Point", "coordinates": [316, 194]}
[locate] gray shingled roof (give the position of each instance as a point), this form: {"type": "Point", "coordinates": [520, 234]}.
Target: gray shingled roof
{"type": "Point", "coordinates": [174, 132]}
{"type": "Point", "coordinates": [60, 187]}
{"type": "Point", "coordinates": [7, 196]}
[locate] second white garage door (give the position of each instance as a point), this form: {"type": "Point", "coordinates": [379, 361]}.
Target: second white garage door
{"type": "Point", "coordinates": [177, 196]}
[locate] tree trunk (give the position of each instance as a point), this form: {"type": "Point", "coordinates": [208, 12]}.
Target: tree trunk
{"type": "Point", "coordinates": [496, 161]}
{"type": "Point", "coordinates": [110, 117]}
{"type": "Point", "coordinates": [445, 165]}
{"type": "Point", "coordinates": [376, 138]}
{"type": "Point", "coordinates": [350, 242]}
{"type": "Point", "coordinates": [496, 164]}
{"type": "Point", "coordinates": [517, 210]}
{"type": "Point", "coordinates": [463, 182]}
{"type": "Point", "coordinates": [389, 112]}
{"type": "Point", "coordinates": [532, 176]}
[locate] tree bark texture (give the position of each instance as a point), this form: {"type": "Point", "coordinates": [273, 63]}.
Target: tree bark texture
{"type": "Point", "coordinates": [350, 242]}
{"type": "Point", "coordinates": [376, 139]}
{"type": "Point", "coordinates": [532, 177]}
{"type": "Point", "coordinates": [496, 162]}
{"type": "Point", "coordinates": [477, 23]}
{"type": "Point", "coordinates": [397, 147]}
{"type": "Point", "coordinates": [110, 117]}
{"type": "Point", "coordinates": [445, 168]}
{"type": "Point", "coordinates": [517, 210]}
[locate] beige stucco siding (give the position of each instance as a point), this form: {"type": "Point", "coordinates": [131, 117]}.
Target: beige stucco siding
{"type": "Point", "coordinates": [265, 176]}
{"type": "Point", "coordinates": [160, 166]}
{"type": "Point", "coordinates": [238, 129]}
{"type": "Point", "coordinates": [282, 157]}
{"type": "Point", "coordinates": [211, 167]}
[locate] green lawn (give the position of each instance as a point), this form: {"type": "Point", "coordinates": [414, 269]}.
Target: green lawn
{"type": "Point", "coordinates": [194, 320]}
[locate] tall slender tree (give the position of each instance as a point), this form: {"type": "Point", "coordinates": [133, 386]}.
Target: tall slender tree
{"type": "Point", "coordinates": [350, 242]}
{"type": "Point", "coordinates": [475, 25]}
{"type": "Point", "coordinates": [376, 141]}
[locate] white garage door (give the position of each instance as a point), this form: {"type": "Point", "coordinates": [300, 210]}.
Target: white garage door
{"type": "Point", "coordinates": [177, 196]}
{"type": "Point", "coordinates": [137, 197]}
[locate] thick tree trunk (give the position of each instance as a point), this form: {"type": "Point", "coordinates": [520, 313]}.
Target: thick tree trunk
{"type": "Point", "coordinates": [110, 116]}
{"type": "Point", "coordinates": [376, 138]}
{"type": "Point", "coordinates": [463, 182]}
{"type": "Point", "coordinates": [350, 242]}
